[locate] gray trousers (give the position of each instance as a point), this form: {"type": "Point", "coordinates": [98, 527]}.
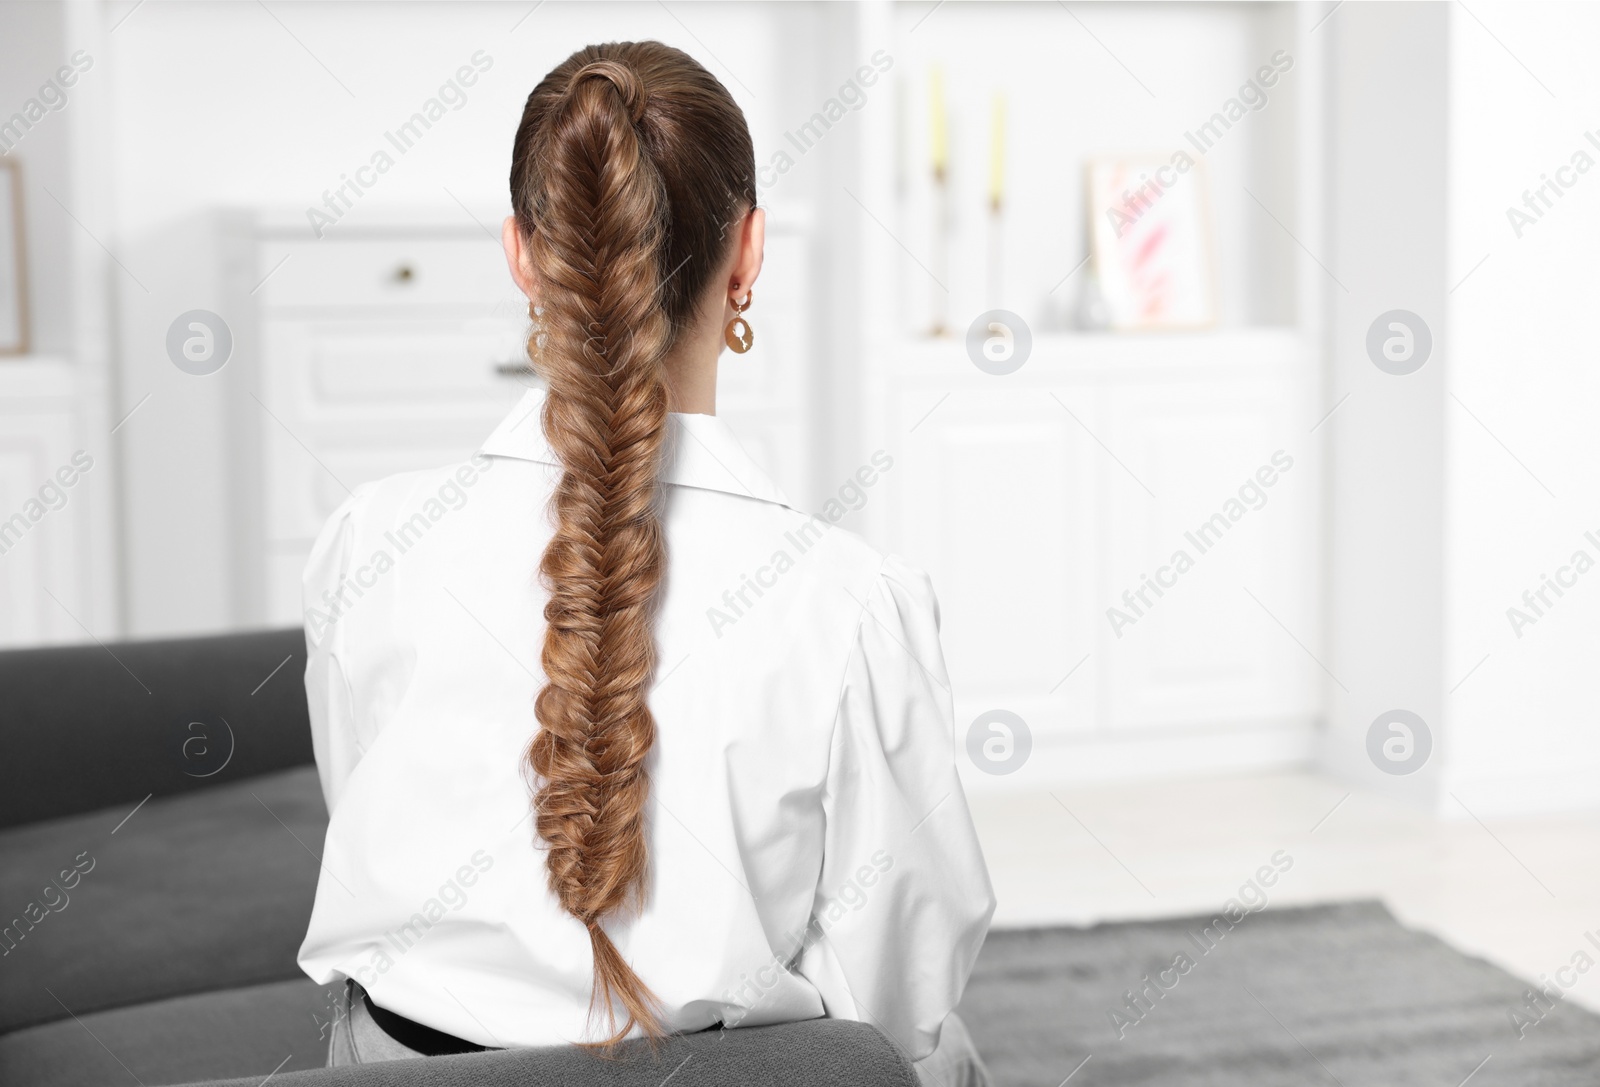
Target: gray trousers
{"type": "Point", "coordinates": [357, 1039]}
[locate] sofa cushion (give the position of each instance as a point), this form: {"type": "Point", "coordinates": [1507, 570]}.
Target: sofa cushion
{"type": "Point", "coordinates": [208, 890]}
{"type": "Point", "coordinates": [236, 1032]}
{"type": "Point", "coordinates": [88, 726]}
{"type": "Point", "coordinates": [813, 1053]}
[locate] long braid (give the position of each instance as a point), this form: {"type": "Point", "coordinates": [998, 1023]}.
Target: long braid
{"type": "Point", "coordinates": [626, 161]}
{"type": "Point", "coordinates": [606, 414]}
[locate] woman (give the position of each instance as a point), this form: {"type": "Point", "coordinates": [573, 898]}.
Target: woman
{"type": "Point", "coordinates": [615, 741]}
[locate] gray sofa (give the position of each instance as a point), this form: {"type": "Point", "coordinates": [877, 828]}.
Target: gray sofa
{"type": "Point", "coordinates": [160, 822]}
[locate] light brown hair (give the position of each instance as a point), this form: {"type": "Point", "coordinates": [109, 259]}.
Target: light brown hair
{"type": "Point", "coordinates": [631, 165]}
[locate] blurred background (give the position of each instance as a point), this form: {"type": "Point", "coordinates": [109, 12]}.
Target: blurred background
{"type": "Point", "coordinates": [1299, 292]}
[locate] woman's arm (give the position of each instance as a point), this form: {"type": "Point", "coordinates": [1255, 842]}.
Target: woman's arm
{"type": "Point", "coordinates": [324, 599]}
{"type": "Point", "coordinates": [904, 899]}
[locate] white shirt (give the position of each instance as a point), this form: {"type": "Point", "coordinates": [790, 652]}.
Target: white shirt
{"type": "Point", "coordinates": [810, 846]}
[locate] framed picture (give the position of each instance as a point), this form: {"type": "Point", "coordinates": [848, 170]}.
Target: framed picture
{"type": "Point", "coordinates": [1153, 246]}
{"type": "Point", "coordinates": [13, 266]}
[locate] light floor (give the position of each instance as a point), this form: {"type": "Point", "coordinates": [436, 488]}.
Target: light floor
{"type": "Point", "coordinates": [1520, 894]}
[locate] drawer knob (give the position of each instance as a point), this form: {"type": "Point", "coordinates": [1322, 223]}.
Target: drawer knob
{"type": "Point", "coordinates": [404, 274]}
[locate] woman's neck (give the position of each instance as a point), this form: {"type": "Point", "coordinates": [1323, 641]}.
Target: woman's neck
{"type": "Point", "coordinates": [691, 368]}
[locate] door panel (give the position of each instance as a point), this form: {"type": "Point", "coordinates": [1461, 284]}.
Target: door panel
{"type": "Point", "coordinates": [1209, 561]}
{"type": "Point", "coordinates": [988, 496]}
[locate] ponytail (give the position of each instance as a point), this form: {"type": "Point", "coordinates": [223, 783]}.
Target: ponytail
{"type": "Point", "coordinates": [597, 210]}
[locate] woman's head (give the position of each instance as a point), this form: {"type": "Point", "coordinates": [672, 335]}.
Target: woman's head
{"type": "Point", "coordinates": [686, 174]}
{"type": "Point", "coordinates": [632, 184]}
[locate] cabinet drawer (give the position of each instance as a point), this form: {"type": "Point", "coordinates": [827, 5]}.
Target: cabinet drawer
{"type": "Point", "coordinates": [340, 371]}
{"type": "Point", "coordinates": [401, 273]}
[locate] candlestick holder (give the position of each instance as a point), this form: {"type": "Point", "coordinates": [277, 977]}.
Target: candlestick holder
{"type": "Point", "coordinates": [941, 253]}
{"type": "Point", "coordinates": [996, 266]}
{"type": "Point", "coordinates": [997, 188]}
{"type": "Point", "coordinates": [939, 146]}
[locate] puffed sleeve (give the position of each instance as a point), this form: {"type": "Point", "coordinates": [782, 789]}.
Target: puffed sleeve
{"type": "Point", "coordinates": [904, 898]}
{"type": "Point", "coordinates": [324, 598]}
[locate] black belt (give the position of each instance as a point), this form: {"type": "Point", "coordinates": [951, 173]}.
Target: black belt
{"type": "Point", "coordinates": [413, 1035]}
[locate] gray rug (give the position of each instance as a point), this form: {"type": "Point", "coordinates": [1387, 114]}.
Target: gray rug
{"type": "Point", "coordinates": [1332, 995]}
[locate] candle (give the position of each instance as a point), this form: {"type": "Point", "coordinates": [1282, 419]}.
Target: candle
{"type": "Point", "coordinates": [937, 137]}
{"type": "Point", "coordinates": [997, 153]}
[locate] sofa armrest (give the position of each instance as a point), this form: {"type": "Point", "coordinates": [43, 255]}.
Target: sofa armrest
{"type": "Point", "coordinates": [89, 726]}
{"type": "Point", "coordinates": [813, 1053]}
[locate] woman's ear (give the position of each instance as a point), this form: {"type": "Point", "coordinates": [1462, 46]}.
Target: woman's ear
{"type": "Point", "coordinates": [747, 256]}
{"type": "Point", "coordinates": [517, 257]}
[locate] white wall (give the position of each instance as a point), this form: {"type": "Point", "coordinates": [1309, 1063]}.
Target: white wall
{"type": "Point", "coordinates": [1522, 732]}
{"type": "Point", "coordinates": [1386, 458]}
{"type": "Point", "coordinates": [220, 104]}
{"type": "Point", "coordinates": [1456, 488]}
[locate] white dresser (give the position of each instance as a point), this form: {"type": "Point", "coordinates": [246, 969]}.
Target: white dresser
{"type": "Point", "coordinates": [56, 483]}
{"type": "Point", "coordinates": [380, 353]}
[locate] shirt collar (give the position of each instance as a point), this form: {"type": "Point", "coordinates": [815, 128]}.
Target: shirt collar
{"type": "Point", "coordinates": [700, 452]}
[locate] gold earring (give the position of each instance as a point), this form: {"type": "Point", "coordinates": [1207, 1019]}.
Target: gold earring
{"type": "Point", "coordinates": [739, 335]}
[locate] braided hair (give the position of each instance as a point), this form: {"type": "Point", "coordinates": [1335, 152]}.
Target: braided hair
{"type": "Point", "coordinates": [627, 163]}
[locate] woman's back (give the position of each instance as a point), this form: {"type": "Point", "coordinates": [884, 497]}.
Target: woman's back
{"type": "Point", "coordinates": [810, 850]}
{"type": "Point", "coordinates": [614, 740]}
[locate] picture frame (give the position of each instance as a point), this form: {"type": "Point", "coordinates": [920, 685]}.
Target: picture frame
{"type": "Point", "coordinates": [13, 263]}
{"type": "Point", "coordinates": [1153, 240]}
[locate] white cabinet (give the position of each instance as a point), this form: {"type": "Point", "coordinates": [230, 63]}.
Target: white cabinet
{"type": "Point", "coordinates": [1205, 565]}
{"type": "Point", "coordinates": [379, 354]}
{"type": "Point", "coordinates": [1051, 508]}
{"type": "Point", "coordinates": [988, 493]}
{"type": "Point", "coordinates": [56, 478]}
{"type": "Point", "coordinates": [35, 547]}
